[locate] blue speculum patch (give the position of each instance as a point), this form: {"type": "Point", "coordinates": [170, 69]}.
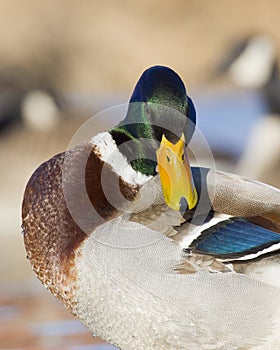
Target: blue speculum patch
{"type": "Point", "coordinates": [234, 238]}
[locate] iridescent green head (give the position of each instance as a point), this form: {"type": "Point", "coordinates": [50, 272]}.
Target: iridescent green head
{"type": "Point", "coordinates": [153, 136]}
{"type": "Point", "coordinates": [159, 106]}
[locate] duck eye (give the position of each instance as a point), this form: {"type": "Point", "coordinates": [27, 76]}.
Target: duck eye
{"type": "Point", "coordinates": [168, 158]}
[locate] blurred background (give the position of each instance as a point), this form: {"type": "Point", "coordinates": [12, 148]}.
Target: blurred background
{"type": "Point", "coordinates": [63, 61]}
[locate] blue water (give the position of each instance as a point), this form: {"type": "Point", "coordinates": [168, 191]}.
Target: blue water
{"type": "Point", "coordinates": [226, 118]}
{"type": "Point", "coordinates": [93, 347]}
{"type": "Point", "coordinates": [58, 328]}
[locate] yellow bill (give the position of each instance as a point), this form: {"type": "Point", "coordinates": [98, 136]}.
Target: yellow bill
{"type": "Point", "coordinates": [175, 174]}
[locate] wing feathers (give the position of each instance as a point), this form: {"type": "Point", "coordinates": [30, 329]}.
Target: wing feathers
{"type": "Point", "coordinates": [234, 238]}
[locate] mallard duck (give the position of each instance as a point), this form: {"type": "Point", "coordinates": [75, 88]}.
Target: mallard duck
{"type": "Point", "coordinates": [252, 63]}
{"type": "Point", "coordinates": [256, 67]}
{"type": "Point", "coordinates": [148, 252]}
{"type": "Point", "coordinates": [29, 99]}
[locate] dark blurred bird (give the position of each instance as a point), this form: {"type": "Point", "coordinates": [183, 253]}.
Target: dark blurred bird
{"type": "Point", "coordinates": [28, 99]}
{"type": "Point", "coordinates": [252, 64]}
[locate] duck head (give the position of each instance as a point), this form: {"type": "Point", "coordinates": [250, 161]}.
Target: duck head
{"type": "Point", "coordinates": [159, 124]}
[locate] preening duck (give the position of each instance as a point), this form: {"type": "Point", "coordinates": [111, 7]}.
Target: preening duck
{"type": "Point", "coordinates": [148, 252]}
